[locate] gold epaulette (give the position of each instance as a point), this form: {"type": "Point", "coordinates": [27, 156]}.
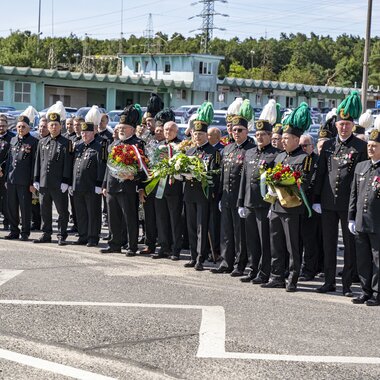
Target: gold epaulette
{"type": "Point", "coordinates": [307, 164]}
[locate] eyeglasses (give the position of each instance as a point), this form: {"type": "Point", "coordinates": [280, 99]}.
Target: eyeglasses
{"type": "Point", "coordinates": [304, 145]}
{"type": "Point", "coordinates": [238, 130]}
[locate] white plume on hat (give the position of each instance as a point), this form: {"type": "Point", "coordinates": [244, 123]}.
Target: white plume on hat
{"type": "Point", "coordinates": [377, 123]}
{"type": "Point", "coordinates": [58, 108]}
{"type": "Point", "coordinates": [30, 113]}
{"type": "Point", "coordinates": [93, 115]}
{"type": "Point", "coordinates": [269, 112]}
{"type": "Point", "coordinates": [234, 107]}
{"type": "Point", "coordinates": [190, 123]}
{"type": "Point", "coordinates": [331, 114]}
{"type": "Point", "coordinates": [366, 120]}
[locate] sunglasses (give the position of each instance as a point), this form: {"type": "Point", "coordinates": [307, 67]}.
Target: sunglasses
{"type": "Point", "coordinates": [238, 130]}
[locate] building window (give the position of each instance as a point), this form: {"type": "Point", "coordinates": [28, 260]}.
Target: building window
{"type": "Point", "coordinates": [205, 68]}
{"type": "Point", "coordinates": [289, 102]}
{"type": "Point", "coordinates": [1, 90]}
{"type": "Point", "coordinates": [183, 95]}
{"type": "Point", "coordinates": [22, 92]}
{"type": "Point", "coordinates": [167, 68]}
{"type": "Point", "coordinates": [146, 63]}
{"type": "Point", "coordinates": [137, 67]}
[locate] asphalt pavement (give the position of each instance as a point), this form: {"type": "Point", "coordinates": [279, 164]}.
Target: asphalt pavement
{"type": "Point", "coordinates": [70, 312]}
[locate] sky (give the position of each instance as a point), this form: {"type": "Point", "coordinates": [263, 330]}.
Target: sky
{"type": "Point", "coordinates": [246, 18]}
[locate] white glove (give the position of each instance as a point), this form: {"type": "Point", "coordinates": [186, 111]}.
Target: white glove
{"type": "Point", "coordinates": [220, 206]}
{"type": "Point", "coordinates": [242, 211]}
{"type": "Point", "coordinates": [272, 192]}
{"type": "Point", "coordinates": [64, 187]}
{"type": "Point", "coordinates": [317, 208]}
{"type": "Point", "coordinates": [98, 190]}
{"type": "Point", "coordinates": [70, 190]}
{"type": "Point", "coordinates": [352, 227]}
{"type": "Point", "coordinates": [36, 185]}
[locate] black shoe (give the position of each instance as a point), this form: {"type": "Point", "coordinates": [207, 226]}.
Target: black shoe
{"type": "Point", "coordinates": [61, 241]}
{"type": "Point", "coordinates": [356, 280]}
{"type": "Point", "coordinates": [79, 242]}
{"type": "Point", "coordinates": [6, 227]}
{"type": "Point", "coordinates": [110, 250]}
{"type": "Point", "coordinates": [221, 269]}
{"type": "Point", "coordinates": [306, 277]}
{"type": "Point", "coordinates": [92, 244]}
{"type": "Point", "coordinates": [237, 273]}
{"type": "Point", "coordinates": [43, 239]}
{"type": "Point", "coordinates": [190, 264]}
{"type": "Point", "coordinates": [130, 253]}
{"type": "Point", "coordinates": [259, 280]}
{"type": "Point", "coordinates": [35, 228]}
{"type": "Point", "coordinates": [24, 237]}
{"type": "Point", "coordinates": [146, 251]}
{"type": "Point", "coordinates": [274, 284]}
{"type": "Point", "coordinates": [326, 288]}
{"type": "Point", "coordinates": [106, 238]}
{"type": "Point", "coordinates": [198, 266]}
{"type": "Point", "coordinates": [347, 292]}
{"type": "Point", "coordinates": [72, 230]}
{"type": "Point", "coordinates": [291, 288]}
{"type": "Point", "coordinates": [247, 278]}
{"type": "Point", "coordinates": [174, 257]}
{"type": "Point", "coordinates": [373, 302]}
{"type": "Point", "coordinates": [361, 299]}
{"type": "Point", "coordinates": [11, 236]}
{"type": "Point", "coordinates": [160, 255]}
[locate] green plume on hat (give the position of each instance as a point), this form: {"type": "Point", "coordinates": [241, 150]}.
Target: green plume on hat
{"type": "Point", "coordinates": [299, 118]}
{"type": "Point", "coordinates": [278, 110]}
{"type": "Point", "coordinates": [206, 113]}
{"type": "Point", "coordinates": [351, 105]}
{"type": "Point", "coordinates": [138, 107]}
{"type": "Point", "coordinates": [246, 110]}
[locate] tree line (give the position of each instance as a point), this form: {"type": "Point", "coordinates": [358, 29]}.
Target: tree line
{"type": "Point", "coordinates": [297, 58]}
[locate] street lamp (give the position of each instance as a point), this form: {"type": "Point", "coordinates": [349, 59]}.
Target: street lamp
{"type": "Point", "coordinates": [76, 56]}
{"type": "Point", "coordinates": [252, 52]}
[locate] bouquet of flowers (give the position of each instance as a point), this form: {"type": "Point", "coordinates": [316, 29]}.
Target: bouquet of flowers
{"type": "Point", "coordinates": [225, 140]}
{"type": "Point", "coordinates": [160, 153]}
{"type": "Point", "coordinates": [283, 183]}
{"type": "Point", "coordinates": [185, 145]}
{"type": "Point", "coordinates": [125, 161]}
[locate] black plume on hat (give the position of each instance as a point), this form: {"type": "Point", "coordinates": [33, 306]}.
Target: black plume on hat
{"type": "Point", "coordinates": [329, 125]}
{"type": "Point", "coordinates": [155, 105]}
{"type": "Point", "coordinates": [165, 115]}
{"type": "Point", "coordinates": [130, 116]}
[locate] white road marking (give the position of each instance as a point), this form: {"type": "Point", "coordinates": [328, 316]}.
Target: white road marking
{"type": "Point", "coordinates": [46, 365]}
{"type": "Point", "coordinates": [212, 333]}
{"type": "Point", "coordinates": [8, 274]}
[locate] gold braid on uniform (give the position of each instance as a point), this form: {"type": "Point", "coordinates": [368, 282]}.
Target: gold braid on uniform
{"type": "Point", "coordinates": [104, 151]}
{"type": "Point", "coordinates": [307, 164]}
{"type": "Point", "coordinates": [71, 148]}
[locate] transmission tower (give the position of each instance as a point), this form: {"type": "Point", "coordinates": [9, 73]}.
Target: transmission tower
{"type": "Point", "coordinates": [208, 26]}
{"type": "Point", "coordinates": [148, 35]}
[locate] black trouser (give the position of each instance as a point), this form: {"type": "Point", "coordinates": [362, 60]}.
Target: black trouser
{"type": "Point", "coordinates": [197, 217]}
{"type": "Point", "coordinates": [214, 226]}
{"type": "Point", "coordinates": [312, 241]}
{"type": "Point", "coordinates": [36, 212]}
{"type": "Point", "coordinates": [123, 207]}
{"type": "Point", "coordinates": [88, 209]}
{"type": "Point", "coordinates": [284, 238]}
{"type": "Point", "coordinates": [367, 255]}
{"type": "Point", "coordinates": [3, 201]}
{"type": "Point", "coordinates": [169, 222]}
{"type": "Point", "coordinates": [47, 197]}
{"type": "Point", "coordinates": [150, 221]}
{"type": "Point", "coordinates": [258, 242]}
{"type": "Point", "coordinates": [233, 246]}
{"type": "Point", "coordinates": [19, 201]}
{"type": "Point", "coordinates": [330, 221]}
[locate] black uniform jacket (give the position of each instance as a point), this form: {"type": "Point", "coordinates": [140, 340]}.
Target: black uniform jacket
{"type": "Point", "coordinates": [255, 161]}
{"type": "Point", "coordinates": [54, 162]}
{"type": "Point", "coordinates": [4, 147]}
{"type": "Point", "coordinates": [112, 184]}
{"type": "Point", "coordinates": [193, 191]}
{"type": "Point", "coordinates": [365, 197]}
{"type": "Point", "coordinates": [336, 167]}
{"type": "Point", "coordinates": [89, 166]}
{"type": "Point", "coordinates": [232, 167]}
{"type": "Point", "coordinates": [21, 159]}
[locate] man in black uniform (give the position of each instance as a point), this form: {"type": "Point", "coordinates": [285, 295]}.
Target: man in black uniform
{"type": "Point", "coordinates": [20, 169]}
{"type": "Point", "coordinates": [335, 172]}
{"type": "Point", "coordinates": [103, 130]}
{"type": "Point", "coordinates": [88, 175]}
{"type": "Point", "coordinates": [233, 245]}
{"type": "Point", "coordinates": [122, 198]}
{"type": "Point", "coordinates": [52, 177]}
{"type": "Point", "coordinates": [285, 222]}
{"type": "Point", "coordinates": [196, 203]}
{"type": "Point", "coordinates": [5, 139]}
{"type": "Point", "coordinates": [364, 221]}
{"type": "Point", "coordinates": [169, 203]}
{"type": "Point", "coordinates": [252, 206]}
{"type": "Point", "coordinates": [69, 123]}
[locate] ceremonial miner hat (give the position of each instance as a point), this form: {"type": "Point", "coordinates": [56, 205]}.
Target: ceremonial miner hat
{"type": "Point", "coordinates": [329, 124]}
{"type": "Point", "coordinates": [324, 133]}
{"type": "Point", "coordinates": [350, 108]}
{"type": "Point", "coordinates": [154, 105]}
{"type": "Point", "coordinates": [130, 116]}
{"type": "Point", "coordinates": [53, 116]}
{"type": "Point", "coordinates": [298, 121]}
{"type": "Point", "coordinates": [93, 115]}
{"type": "Point", "coordinates": [138, 107]}
{"type": "Point", "coordinates": [87, 126]}
{"type": "Point", "coordinates": [165, 115]}
{"type": "Point", "coordinates": [244, 116]}
{"type": "Point", "coordinates": [366, 121]}
{"type": "Point", "coordinates": [23, 119]}
{"type": "Point", "coordinates": [204, 117]}
{"type": "Point", "coordinates": [31, 113]}
{"type": "Point", "coordinates": [58, 108]}
{"type": "Point", "coordinates": [234, 109]}
{"type": "Point", "coordinates": [375, 133]}
{"type": "Point", "coordinates": [268, 117]}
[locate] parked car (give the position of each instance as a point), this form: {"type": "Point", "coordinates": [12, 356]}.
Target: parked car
{"type": "Point", "coordinates": [114, 117]}
{"type": "Point", "coordinates": [82, 112]}
{"type": "Point", "coordinates": [219, 119]}
{"type": "Point", "coordinates": [70, 112]}
{"type": "Point", "coordinates": [313, 131]}
{"type": "Point", "coordinates": [186, 111]}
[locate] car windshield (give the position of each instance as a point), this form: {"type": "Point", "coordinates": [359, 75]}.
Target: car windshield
{"type": "Point", "coordinates": [219, 120]}
{"type": "Point", "coordinates": [114, 115]}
